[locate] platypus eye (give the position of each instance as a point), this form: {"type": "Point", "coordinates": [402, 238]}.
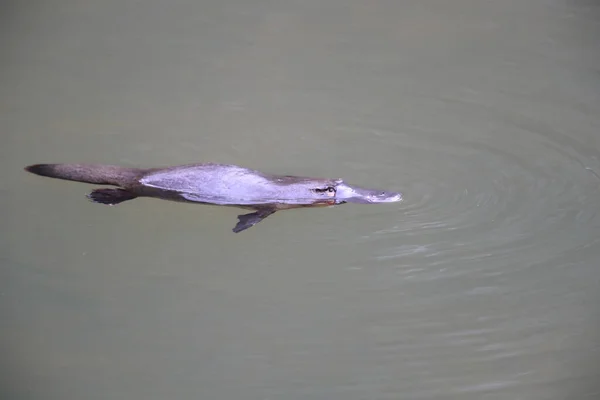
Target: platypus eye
{"type": "Point", "coordinates": [328, 189]}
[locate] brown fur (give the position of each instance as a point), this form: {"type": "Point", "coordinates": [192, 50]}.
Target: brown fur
{"type": "Point", "coordinates": [179, 183]}
{"type": "Point", "coordinates": [90, 173]}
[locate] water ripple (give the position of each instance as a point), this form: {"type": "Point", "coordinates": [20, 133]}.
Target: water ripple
{"type": "Point", "coordinates": [518, 193]}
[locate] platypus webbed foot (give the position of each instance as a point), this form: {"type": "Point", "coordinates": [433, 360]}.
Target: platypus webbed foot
{"type": "Point", "coordinates": [110, 196]}
{"type": "Point", "coordinates": [249, 220]}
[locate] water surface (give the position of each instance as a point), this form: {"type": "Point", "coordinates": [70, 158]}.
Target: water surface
{"type": "Point", "coordinates": [480, 285]}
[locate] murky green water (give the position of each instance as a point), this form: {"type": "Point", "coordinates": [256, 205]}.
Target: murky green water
{"type": "Point", "coordinates": [482, 284]}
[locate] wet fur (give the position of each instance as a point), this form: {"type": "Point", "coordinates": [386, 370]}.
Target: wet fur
{"type": "Point", "coordinates": [129, 187]}
{"type": "Point", "coordinates": [89, 173]}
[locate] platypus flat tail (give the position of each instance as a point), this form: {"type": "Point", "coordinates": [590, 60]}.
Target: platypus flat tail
{"type": "Point", "coordinates": [89, 173]}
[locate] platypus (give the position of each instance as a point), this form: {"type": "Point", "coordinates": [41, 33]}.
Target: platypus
{"type": "Point", "coordinates": [216, 184]}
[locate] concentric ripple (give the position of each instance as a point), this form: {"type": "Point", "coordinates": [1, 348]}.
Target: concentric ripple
{"type": "Point", "coordinates": [513, 193]}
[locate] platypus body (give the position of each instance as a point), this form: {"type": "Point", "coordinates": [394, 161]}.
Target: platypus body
{"type": "Point", "coordinates": [216, 184]}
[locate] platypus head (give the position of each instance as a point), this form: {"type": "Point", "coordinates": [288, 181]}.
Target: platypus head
{"type": "Point", "coordinates": [333, 191]}
{"type": "Point", "coordinates": [345, 193]}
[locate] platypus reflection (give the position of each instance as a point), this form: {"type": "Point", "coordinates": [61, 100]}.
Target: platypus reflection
{"type": "Point", "coordinates": [217, 184]}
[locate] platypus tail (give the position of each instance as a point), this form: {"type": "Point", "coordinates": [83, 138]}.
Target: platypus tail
{"type": "Point", "coordinates": [88, 173]}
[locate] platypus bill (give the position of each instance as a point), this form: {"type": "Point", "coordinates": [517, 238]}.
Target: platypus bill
{"type": "Point", "coordinates": [216, 184]}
